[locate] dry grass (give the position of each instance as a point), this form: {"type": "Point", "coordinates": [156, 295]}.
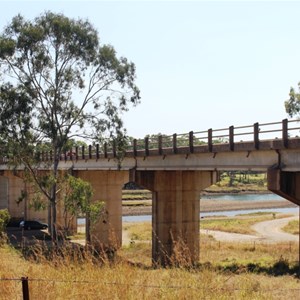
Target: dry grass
{"type": "Point", "coordinates": [87, 280]}
{"type": "Point", "coordinates": [140, 232]}
{"type": "Point", "coordinates": [225, 271]}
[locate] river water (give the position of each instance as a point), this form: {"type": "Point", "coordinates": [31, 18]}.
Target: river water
{"type": "Point", "coordinates": [242, 197]}
{"type": "Point", "coordinates": [230, 213]}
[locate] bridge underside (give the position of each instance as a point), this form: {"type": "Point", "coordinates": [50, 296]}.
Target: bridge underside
{"type": "Point", "coordinates": [285, 184]}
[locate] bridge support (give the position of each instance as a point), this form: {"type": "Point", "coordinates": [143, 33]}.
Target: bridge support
{"type": "Point", "coordinates": [175, 213]}
{"type": "Point", "coordinates": [285, 184]}
{"type": "Point", "coordinates": [106, 233]}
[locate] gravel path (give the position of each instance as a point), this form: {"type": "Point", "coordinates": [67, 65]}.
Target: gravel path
{"type": "Point", "coordinates": [267, 231]}
{"type": "Point", "coordinates": [271, 230]}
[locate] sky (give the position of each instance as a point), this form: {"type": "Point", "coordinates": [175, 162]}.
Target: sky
{"type": "Point", "coordinates": [200, 64]}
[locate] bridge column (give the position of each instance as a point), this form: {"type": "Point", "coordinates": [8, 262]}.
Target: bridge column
{"type": "Point", "coordinates": [175, 213]}
{"type": "Point", "coordinates": [285, 184]}
{"type": "Point", "coordinates": [106, 233]}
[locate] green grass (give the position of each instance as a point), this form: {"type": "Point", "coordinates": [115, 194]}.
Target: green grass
{"type": "Point", "coordinates": [136, 203]}
{"type": "Point", "coordinates": [292, 227]}
{"type": "Point", "coordinates": [236, 225]}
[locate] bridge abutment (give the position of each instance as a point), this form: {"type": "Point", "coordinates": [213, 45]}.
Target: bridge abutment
{"type": "Point", "coordinates": [285, 184]}
{"type": "Point", "coordinates": [175, 213]}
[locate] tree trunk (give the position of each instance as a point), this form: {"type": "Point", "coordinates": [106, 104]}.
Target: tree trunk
{"type": "Point", "coordinates": [53, 221]}
{"type": "Point", "coordinates": [53, 201]}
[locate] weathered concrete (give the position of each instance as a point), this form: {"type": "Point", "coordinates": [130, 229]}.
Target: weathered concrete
{"type": "Point", "coordinates": [175, 213]}
{"type": "Point", "coordinates": [285, 184]}
{"type": "Point", "coordinates": [12, 186]}
{"type": "Point", "coordinates": [107, 186]}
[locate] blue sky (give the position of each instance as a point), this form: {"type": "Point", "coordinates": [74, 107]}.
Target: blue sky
{"type": "Point", "coordinates": [200, 64]}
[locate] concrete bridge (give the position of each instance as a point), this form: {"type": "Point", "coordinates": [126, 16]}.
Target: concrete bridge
{"type": "Point", "coordinates": [176, 169]}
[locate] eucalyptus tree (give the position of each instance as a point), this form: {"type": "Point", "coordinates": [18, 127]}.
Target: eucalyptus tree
{"type": "Point", "coordinates": [58, 83]}
{"type": "Point", "coordinates": [292, 105]}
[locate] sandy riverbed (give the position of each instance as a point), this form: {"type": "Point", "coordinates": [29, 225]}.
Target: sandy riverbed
{"type": "Point", "coordinates": [216, 205]}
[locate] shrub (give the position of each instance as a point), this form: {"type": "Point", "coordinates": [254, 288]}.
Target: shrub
{"type": "Point", "coordinates": [4, 218]}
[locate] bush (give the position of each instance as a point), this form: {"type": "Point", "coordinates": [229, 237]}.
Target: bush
{"type": "Point", "coordinates": [4, 218]}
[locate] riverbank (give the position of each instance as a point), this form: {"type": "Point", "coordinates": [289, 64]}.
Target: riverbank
{"type": "Point", "coordinates": [216, 205]}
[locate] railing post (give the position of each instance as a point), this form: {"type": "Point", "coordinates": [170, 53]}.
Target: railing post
{"type": "Point", "coordinates": [105, 149]}
{"type": "Point", "coordinates": [82, 152]}
{"type": "Point", "coordinates": [174, 143]}
{"type": "Point", "coordinates": [97, 151]}
{"type": "Point", "coordinates": [76, 153]}
{"type": "Point", "coordinates": [231, 138]}
{"type": "Point", "coordinates": [90, 151]}
{"type": "Point", "coordinates": [160, 144]}
{"type": "Point", "coordinates": [114, 148]}
{"type": "Point", "coordinates": [65, 155]}
{"type": "Point", "coordinates": [25, 288]}
{"type": "Point", "coordinates": [135, 147]}
{"type": "Point", "coordinates": [256, 136]}
{"type": "Point", "coordinates": [209, 140]}
{"type": "Point", "coordinates": [285, 135]}
{"type": "Point", "coordinates": [191, 141]}
{"type": "Point", "coordinates": [146, 146]}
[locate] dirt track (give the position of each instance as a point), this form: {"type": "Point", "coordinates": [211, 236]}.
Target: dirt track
{"type": "Point", "coordinates": [267, 231]}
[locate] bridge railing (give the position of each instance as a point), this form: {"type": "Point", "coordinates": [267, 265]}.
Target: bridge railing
{"type": "Point", "coordinates": [203, 141]}
{"type": "Point", "coordinates": [284, 130]}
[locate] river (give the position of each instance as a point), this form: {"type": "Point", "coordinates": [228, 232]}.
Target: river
{"type": "Point", "coordinates": [228, 213]}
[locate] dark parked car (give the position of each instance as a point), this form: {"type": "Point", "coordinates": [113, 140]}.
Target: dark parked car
{"type": "Point", "coordinates": [32, 225]}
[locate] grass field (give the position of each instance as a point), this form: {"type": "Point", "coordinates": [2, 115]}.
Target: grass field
{"type": "Point", "coordinates": [292, 227]}
{"type": "Point", "coordinates": [225, 271]}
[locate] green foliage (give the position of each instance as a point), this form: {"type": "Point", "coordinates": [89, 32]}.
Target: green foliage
{"type": "Point", "coordinates": [94, 210]}
{"type": "Point", "coordinates": [4, 218]}
{"type": "Point", "coordinates": [76, 195]}
{"type": "Point", "coordinates": [58, 83]}
{"type": "Point", "coordinates": [292, 105]}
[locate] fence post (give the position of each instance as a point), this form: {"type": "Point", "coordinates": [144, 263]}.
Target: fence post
{"type": "Point", "coordinates": [25, 288]}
